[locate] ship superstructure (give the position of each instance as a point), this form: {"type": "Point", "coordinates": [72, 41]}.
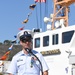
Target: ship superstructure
{"type": "Point", "coordinates": [57, 44]}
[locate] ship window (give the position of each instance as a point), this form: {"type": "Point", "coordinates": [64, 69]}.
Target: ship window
{"type": "Point", "coordinates": [46, 41]}
{"type": "Point", "coordinates": [37, 42]}
{"type": "Point", "coordinates": [55, 39]}
{"type": "Point", "coordinates": [66, 36]}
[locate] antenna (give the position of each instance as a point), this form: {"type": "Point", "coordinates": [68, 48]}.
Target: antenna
{"type": "Point", "coordinates": [61, 10]}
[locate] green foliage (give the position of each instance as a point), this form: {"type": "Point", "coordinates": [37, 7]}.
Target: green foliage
{"type": "Point", "coordinates": [0, 43]}
{"type": "Point", "coordinates": [1, 74]}
{"type": "Point", "coordinates": [7, 42]}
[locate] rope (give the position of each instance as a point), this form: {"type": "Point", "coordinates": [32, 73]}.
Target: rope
{"type": "Point", "coordinates": [37, 18]}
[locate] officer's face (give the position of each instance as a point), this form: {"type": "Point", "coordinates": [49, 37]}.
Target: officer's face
{"type": "Point", "coordinates": [26, 43]}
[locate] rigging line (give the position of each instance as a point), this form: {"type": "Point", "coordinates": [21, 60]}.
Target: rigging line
{"type": "Point", "coordinates": [46, 11]}
{"type": "Point", "coordinates": [40, 16]}
{"type": "Point", "coordinates": [37, 18]}
{"type": "Point", "coordinates": [47, 7]}
{"type": "Point", "coordinates": [45, 15]}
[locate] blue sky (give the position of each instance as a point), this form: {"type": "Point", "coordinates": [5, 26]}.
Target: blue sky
{"type": "Point", "coordinates": [13, 12]}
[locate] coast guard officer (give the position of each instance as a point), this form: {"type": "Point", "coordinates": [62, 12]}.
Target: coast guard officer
{"type": "Point", "coordinates": [27, 61]}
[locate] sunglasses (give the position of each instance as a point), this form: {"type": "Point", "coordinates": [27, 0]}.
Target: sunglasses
{"type": "Point", "coordinates": [26, 40]}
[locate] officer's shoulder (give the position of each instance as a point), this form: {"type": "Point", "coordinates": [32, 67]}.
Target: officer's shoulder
{"type": "Point", "coordinates": [36, 52]}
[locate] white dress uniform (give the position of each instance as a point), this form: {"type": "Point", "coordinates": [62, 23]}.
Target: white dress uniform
{"type": "Point", "coordinates": [26, 64]}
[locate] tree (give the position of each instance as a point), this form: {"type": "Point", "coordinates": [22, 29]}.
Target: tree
{"type": "Point", "coordinates": [7, 42]}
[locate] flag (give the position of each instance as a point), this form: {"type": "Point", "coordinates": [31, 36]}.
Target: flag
{"type": "Point", "coordinates": [21, 28]}
{"type": "Point", "coordinates": [15, 36]}
{"type": "Point", "coordinates": [25, 21]}
{"type": "Point", "coordinates": [5, 56]}
{"type": "Point", "coordinates": [29, 14]}
{"type": "Point", "coordinates": [32, 6]}
{"type": "Point", "coordinates": [14, 41]}
{"type": "Point", "coordinates": [40, 0]}
{"type": "Point", "coordinates": [10, 48]}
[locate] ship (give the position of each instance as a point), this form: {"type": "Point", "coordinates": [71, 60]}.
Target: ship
{"type": "Point", "coordinates": [57, 43]}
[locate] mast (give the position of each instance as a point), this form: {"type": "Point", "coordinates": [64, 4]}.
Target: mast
{"type": "Point", "coordinates": [61, 11]}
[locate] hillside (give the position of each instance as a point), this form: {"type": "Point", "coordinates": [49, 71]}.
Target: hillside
{"type": "Point", "coordinates": [4, 48]}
